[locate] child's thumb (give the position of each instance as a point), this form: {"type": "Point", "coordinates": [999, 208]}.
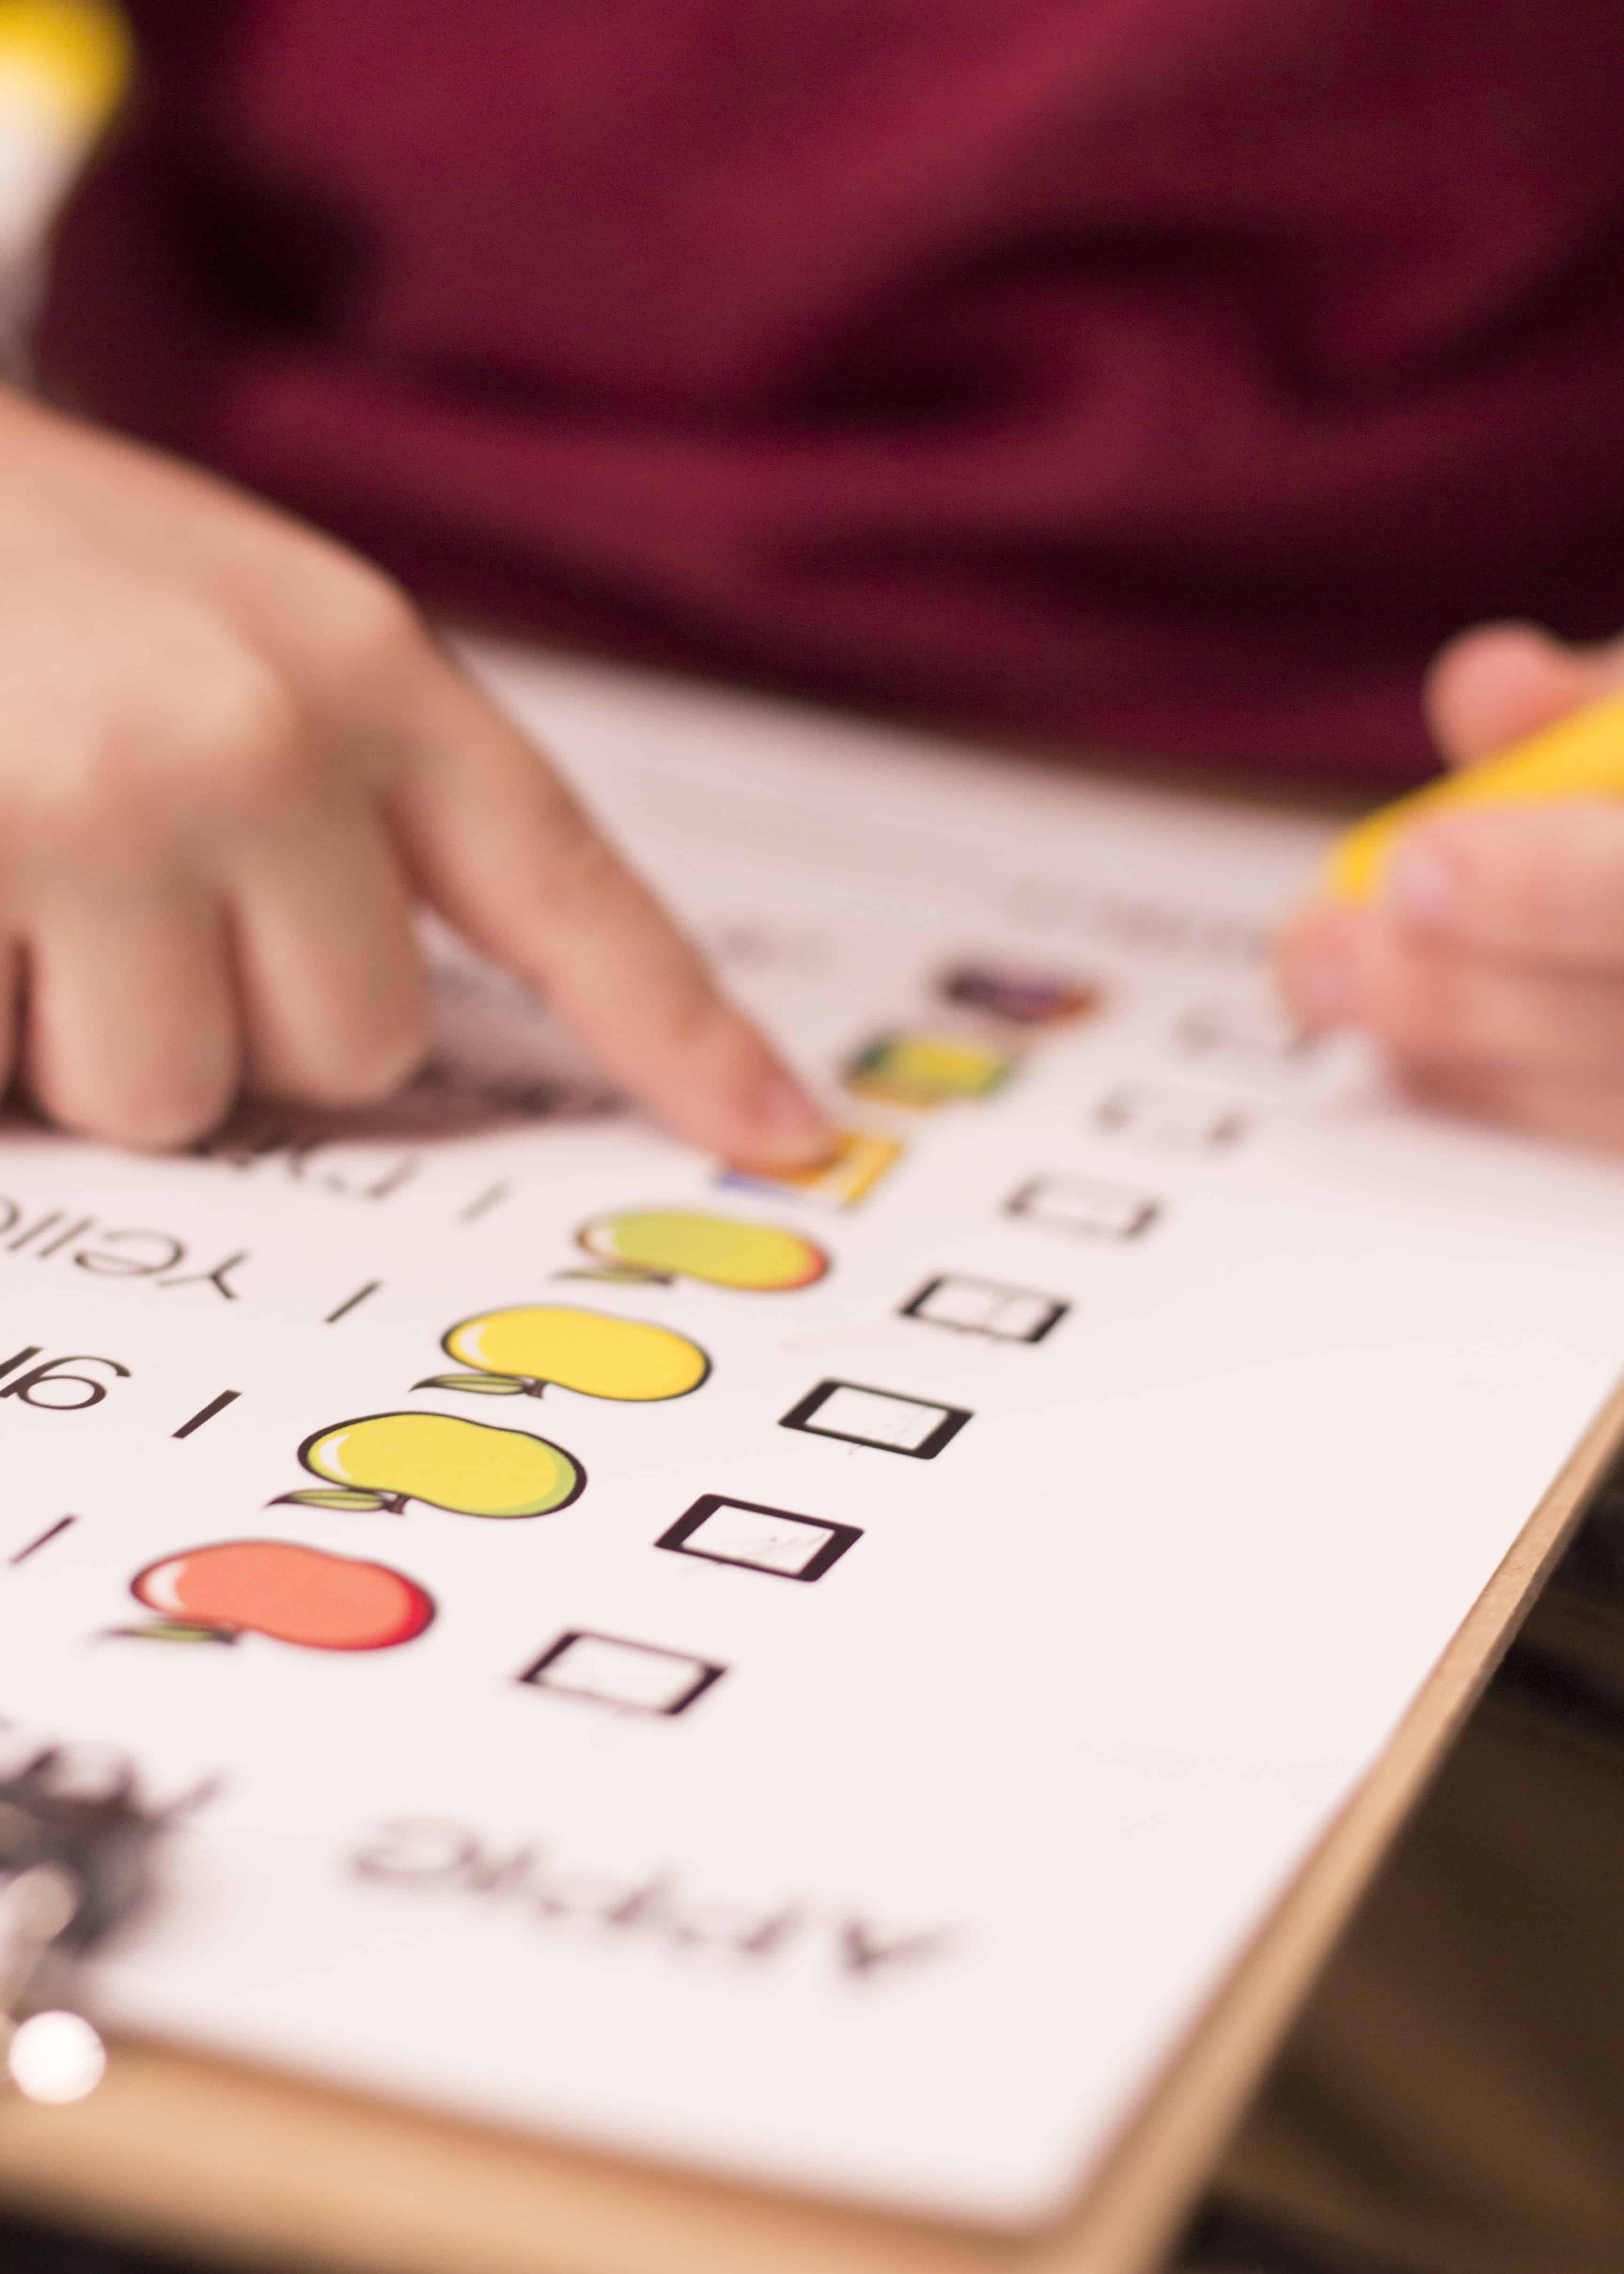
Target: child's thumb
{"type": "Point", "coordinates": [1497, 682]}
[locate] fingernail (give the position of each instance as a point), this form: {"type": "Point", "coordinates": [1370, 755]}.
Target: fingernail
{"type": "Point", "coordinates": [1321, 973]}
{"type": "Point", "coordinates": [796, 1133]}
{"type": "Point", "coordinates": [1424, 884]}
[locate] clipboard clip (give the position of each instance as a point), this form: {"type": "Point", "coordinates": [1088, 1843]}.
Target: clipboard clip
{"type": "Point", "coordinates": [74, 1863]}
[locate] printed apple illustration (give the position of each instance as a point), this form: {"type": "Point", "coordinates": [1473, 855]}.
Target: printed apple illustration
{"type": "Point", "coordinates": [927, 1070]}
{"type": "Point", "coordinates": [277, 1587]}
{"type": "Point", "coordinates": [668, 1243]}
{"type": "Point", "coordinates": [520, 1351]}
{"type": "Point", "coordinates": [468, 1468]}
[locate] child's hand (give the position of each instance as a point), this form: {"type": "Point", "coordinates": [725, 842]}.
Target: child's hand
{"type": "Point", "coordinates": [1493, 966]}
{"type": "Point", "coordinates": [231, 760]}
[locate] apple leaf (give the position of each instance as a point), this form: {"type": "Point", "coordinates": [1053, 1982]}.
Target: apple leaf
{"type": "Point", "coordinates": [338, 1497]}
{"type": "Point", "coordinates": [174, 1630]}
{"type": "Point", "coordinates": [488, 1385]}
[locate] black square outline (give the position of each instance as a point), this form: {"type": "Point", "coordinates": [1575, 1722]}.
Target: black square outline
{"type": "Point", "coordinates": [1114, 1114]}
{"type": "Point", "coordinates": [1020, 1205]}
{"type": "Point", "coordinates": [709, 1674]}
{"type": "Point", "coordinates": [912, 1308]}
{"type": "Point", "coordinates": [1192, 1033]}
{"type": "Point", "coordinates": [953, 1420]}
{"type": "Point", "coordinates": [841, 1536]}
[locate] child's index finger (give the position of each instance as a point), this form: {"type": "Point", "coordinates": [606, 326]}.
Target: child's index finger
{"type": "Point", "coordinates": [502, 848]}
{"type": "Point", "coordinates": [1581, 757]}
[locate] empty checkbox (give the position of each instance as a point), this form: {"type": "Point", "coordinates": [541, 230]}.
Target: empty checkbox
{"type": "Point", "coordinates": [637, 1676]}
{"type": "Point", "coordinates": [882, 1419]}
{"type": "Point", "coordinates": [1088, 1208]}
{"type": "Point", "coordinates": [758, 1539]}
{"type": "Point", "coordinates": [985, 1306]}
{"type": "Point", "coordinates": [1256, 1031]}
{"type": "Point", "coordinates": [1169, 1119]}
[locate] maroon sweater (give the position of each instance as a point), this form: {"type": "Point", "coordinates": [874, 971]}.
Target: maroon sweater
{"type": "Point", "coordinates": [1171, 371]}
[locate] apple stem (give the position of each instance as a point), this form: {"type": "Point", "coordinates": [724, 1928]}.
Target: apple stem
{"type": "Point", "coordinates": [176, 1631]}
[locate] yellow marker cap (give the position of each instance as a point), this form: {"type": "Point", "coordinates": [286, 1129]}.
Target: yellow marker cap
{"type": "Point", "coordinates": [1580, 756]}
{"type": "Point", "coordinates": [69, 59]}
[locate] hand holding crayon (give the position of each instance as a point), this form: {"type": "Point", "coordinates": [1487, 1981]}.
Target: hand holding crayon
{"type": "Point", "coordinates": [1477, 926]}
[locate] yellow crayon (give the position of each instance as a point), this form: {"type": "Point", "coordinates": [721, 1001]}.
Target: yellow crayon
{"type": "Point", "coordinates": [1581, 757]}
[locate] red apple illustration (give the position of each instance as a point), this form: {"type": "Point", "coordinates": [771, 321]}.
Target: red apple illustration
{"type": "Point", "coordinates": [276, 1587]}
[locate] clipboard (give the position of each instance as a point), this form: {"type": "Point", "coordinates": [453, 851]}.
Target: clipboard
{"type": "Point", "coordinates": [245, 2166]}
{"type": "Point", "coordinates": [245, 2161]}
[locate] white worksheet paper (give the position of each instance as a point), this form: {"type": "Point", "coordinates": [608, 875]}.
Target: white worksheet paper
{"type": "Point", "coordinates": [861, 1778]}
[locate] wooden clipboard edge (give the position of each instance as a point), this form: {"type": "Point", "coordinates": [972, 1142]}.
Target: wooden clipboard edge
{"type": "Point", "coordinates": [1150, 2182]}
{"type": "Point", "coordinates": [211, 2158]}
